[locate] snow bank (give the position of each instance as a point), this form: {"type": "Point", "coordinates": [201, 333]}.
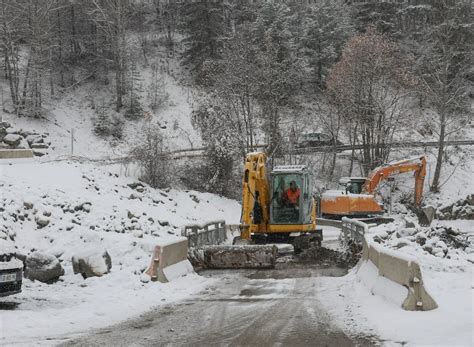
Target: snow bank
{"type": "Point", "coordinates": [364, 303]}
{"type": "Point", "coordinates": [92, 207]}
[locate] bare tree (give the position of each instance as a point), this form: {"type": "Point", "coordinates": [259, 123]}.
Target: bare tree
{"type": "Point", "coordinates": [368, 86]}
{"type": "Point", "coordinates": [111, 17]}
{"type": "Point", "coordinates": [446, 62]}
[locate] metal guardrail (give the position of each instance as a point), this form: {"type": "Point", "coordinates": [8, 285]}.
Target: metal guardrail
{"type": "Point", "coordinates": [353, 230]}
{"type": "Point", "coordinates": [407, 144]}
{"type": "Point", "coordinates": [211, 233]}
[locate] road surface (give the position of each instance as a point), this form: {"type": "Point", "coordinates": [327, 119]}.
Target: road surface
{"type": "Point", "coordinates": [242, 308]}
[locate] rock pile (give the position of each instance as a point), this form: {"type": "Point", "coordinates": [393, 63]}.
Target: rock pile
{"type": "Point", "coordinates": [461, 209]}
{"type": "Point", "coordinates": [440, 241]}
{"type": "Point", "coordinates": [12, 138]}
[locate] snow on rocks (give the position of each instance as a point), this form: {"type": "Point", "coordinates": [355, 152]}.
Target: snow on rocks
{"type": "Point", "coordinates": [43, 267]}
{"type": "Point", "coordinates": [461, 209]}
{"type": "Point", "coordinates": [42, 221]}
{"type": "Point", "coordinates": [93, 262]}
{"type": "Point", "coordinates": [13, 138]}
{"type": "Point", "coordinates": [31, 188]}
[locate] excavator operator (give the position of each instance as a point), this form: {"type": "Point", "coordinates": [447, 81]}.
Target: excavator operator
{"type": "Point", "coordinates": [292, 195]}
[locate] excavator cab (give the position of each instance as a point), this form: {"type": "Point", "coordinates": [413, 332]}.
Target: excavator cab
{"type": "Point", "coordinates": [291, 197]}
{"type": "Point", "coordinates": [352, 185]}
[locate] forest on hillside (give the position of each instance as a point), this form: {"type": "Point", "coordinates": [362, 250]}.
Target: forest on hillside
{"type": "Point", "coordinates": [362, 66]}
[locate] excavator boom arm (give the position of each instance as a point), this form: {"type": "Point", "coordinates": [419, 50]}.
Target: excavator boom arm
{"type": "Point", "coordinates": [417, 165]}
{"type": "Point", "coordinates": [254, 193]}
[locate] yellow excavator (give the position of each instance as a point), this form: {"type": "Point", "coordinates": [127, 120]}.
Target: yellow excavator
{"type": "Point", "coordinates": [277, 207]}
{"type": "Point", "coordinates": [357, 196]}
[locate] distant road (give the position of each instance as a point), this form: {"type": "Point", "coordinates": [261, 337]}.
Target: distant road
{"type": "Point", "coordinates": [407, 144]}
{"type": "Point", "coordinates": [199, 152]}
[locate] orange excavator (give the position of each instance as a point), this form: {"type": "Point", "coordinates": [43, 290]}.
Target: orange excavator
{"type": "Point", "coordinates": [357, 196]}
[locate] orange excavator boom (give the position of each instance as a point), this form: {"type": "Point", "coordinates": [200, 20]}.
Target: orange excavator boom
{"type": "Point", "coordinates": [417, 165]}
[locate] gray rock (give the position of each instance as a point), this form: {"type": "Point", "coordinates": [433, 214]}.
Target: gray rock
{"type": "Point", "coordinates": [135, 185]}
{"type": "Point", "coordinates": [12, 139]}
{"type": "Point", "coordinates": [92, 263]}
{"type": "Point", "coordinates": [3, 145]}
{"type": "Point", "coordinates": [34, 139]}
{"type": "Point", "coordinates": [26, 133]}
{"type": "Point", "coordinates": [23, 144]}
{"type": "Point", "coordinates": [41, 221]}
{"type": "Point", "coordinates": [3, 133]}
{"type": "Point", "coordinates": [39, 152]}
{"type": "Point", "coordinates": [39, 145]}
{"type": "Point", "coordinates": [405, 232]}
{"type": "Point", "coordinates": [43, 267]}
{"type": "Point", "coordinates": [14, 131]}
{"type": "Point", "coordinates": [5, 125]}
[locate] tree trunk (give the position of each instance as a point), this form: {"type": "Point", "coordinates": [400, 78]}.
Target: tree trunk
{"type": "Point", "coordinates": [439, 160]}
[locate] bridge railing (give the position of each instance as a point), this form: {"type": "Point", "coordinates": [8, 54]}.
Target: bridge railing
{"type": "Point", "coordinates": [353, 230]}
{"type": "Point", "coordinates": [211, 233]}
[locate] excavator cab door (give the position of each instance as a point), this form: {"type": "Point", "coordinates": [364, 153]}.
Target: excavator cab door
{"type": "Point", "coordinates": [291, 198]}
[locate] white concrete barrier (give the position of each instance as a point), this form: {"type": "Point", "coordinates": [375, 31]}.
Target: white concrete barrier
{"type": "Point", "coordinates": [15, 153]}
{"type": "Point", "coordinates": [170, 261]}
{"type": "Point", "coordinates": [401, 269]}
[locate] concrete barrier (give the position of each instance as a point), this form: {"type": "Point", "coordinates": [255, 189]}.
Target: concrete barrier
{"type": "Point", "coordinates": [401, 269]}
{"type": "Point", "coordinates": [170, 261]}
{"type": "Point", "coordinates": [15, 153]}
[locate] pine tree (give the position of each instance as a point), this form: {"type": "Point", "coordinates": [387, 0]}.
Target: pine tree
{"type": "Point", "coordinates": [327, 26]}
{"type": "Point", "coordinates": [205, 23]}
{"type": "Point", "coordinates": [134, 107]}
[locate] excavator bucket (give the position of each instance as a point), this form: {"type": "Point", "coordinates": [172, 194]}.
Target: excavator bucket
{"type": "Point", "coordinates": [240, 257]}
{"type": "Point", "coordinates": [426, 215]}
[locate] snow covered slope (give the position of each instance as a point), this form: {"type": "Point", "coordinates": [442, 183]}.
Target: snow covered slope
{"type": "Point", "coordinates": [84, 207]}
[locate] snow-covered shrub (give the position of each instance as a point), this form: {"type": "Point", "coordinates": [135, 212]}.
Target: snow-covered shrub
{"type": "Point", "coordinates": [151, 156]}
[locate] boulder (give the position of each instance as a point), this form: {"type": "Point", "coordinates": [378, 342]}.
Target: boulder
{"type": "Point", "coordinates": [5, 125]}
{"type": "Point", "coordinates": [92, 263]}
{"type": "Point", "coordinates": [15, 131]}
{"type": "Point", "coordinates": [39, 152]}
{"type": "Point", "coordinates": [39, 146]}
{"type": "Point", "coordinates": [43, 267]}
{"type": "Point", "coordinates": [23, 144]}
{"type": "Point", "coordinates": [34, 139]}
{"type": "Point", "coordinates": [12, 139]}
{"type": "Point", "coordinates": [41, 221]}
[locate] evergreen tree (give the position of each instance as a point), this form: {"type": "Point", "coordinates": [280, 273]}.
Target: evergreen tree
{"type": "Point", "coordinates": [327, 26]}
{"type": "Point", "coordinates": [205, 24]}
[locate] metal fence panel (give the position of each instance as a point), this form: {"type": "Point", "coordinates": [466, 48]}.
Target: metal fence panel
{"type": "Point", "coordinates": [212, 233]}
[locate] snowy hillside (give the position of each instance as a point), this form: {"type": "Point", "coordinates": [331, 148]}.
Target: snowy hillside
{"type": "Point", "coordinates": [86, 207]}
{"type": "Point", "coordinates": [73, 112]}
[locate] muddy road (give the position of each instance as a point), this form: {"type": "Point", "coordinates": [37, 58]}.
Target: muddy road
{"type": "Point", "coordinates": [242, 308]}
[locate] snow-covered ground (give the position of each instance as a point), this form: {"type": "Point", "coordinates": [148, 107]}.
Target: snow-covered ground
{"type": "Point", "coordinates": [124, 221]}
{"type": "Point", "coordinates": [364, 303]}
